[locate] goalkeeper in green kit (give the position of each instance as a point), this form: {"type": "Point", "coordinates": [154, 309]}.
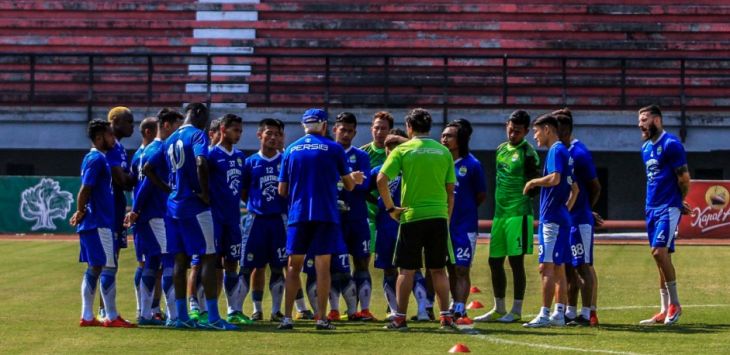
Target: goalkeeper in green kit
{"type": "Point", "coordinates": [512, 229]}
{"type": "Point", "coordinates": [382, 124]}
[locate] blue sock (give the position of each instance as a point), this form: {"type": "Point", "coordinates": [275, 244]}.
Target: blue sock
{"type": "Point", "coordinates": [459, 308]}
{"type": "Point", "coordinates": [213, 315]}
{"type": "Point", "coordinates": [182, 309]}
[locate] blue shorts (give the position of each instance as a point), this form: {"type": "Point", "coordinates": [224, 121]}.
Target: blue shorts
{"type": "Point", "coordinates": [98, 247]}
{"type": "Point", "coordinates": [356, 234]}
{"type": "Point", "coordinates": [581, 244]}
{"type": "Point", "coordinates": [264, 241]}
{"type": "Point", "coordinates": [137, 246]}
{"type": "Point", "coordinates": [464, 245]}
{"type": "Point", "coordinates": [661, 226]}
{"type": "Point", "coordinates": [554, 243]}
{"type": "Point", "coordinates": [340, 263]}
{"type": "Point", "coordinates": [154, 237]}
{"type": "Point", "coordinates": [228, 236]}
{"type": "Point", "coordinates": [195, 235]}
{"type": "Point", "coordinates": [317, 238]}
{"type": "Point", "coordinates": [385, 248]}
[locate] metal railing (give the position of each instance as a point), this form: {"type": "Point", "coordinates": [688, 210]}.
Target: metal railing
{"type": "Point", "coordinates": [383, 81]}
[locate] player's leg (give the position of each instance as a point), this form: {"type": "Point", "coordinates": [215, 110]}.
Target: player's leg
{"type": "Point", "coordinates": [561, 257]}
{"type": "Point", "coordinates": [498, 251]}
{"type": "Point", "coordinates": [574, 286]}
{"type": "Point", "coordinates": [138, 271]}
{"type": "Point", "coordinates": [547, 236]}
{"type": "Point", "coordinates": [147, 290]}
{"type": "Point", "coordinates": [276, 288]}
{"type": "Point", "coordinates": [464, 245]}
{"type": "Point", "coordinates": [108, 281]}
{"type": "Point", "coordinates": [258, 281]}
{"type": "Point", "coordinates": [437, 249]}
{"type": "Point", "coordinates": [231, 246]}
{"type": "Point", "coordinates": [421, 294]}
{"type": "Point", "coordinates": [384, 246]}
{"type": "Point", "coordinates": [359, 248]}
{"type": "Point", "coordinates": [203, 242]}
{"type": "Point", "coordinates": [92, 253]}
{"type": "Point", "coordinates": [311, 285]}
{"type": "Point", "coordinates": [519, 244]}
{"type": "Point", "coordinates": [519, 280]}
{"type": "Point", "coordinates": [193, 280]}
{"type": "Point", "coordinates": [292, 283]}
{"type": "Point", "coordinates": [408, 258]}
{"type": "Point", "coordinates": [276, 258]}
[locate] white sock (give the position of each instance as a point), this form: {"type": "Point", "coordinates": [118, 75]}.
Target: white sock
{"type": "Point", "coordinates": [334, 299]}
{"type": "Point", "coordinates": [585, 312]}
{"type": "Point", "coordinates": [350, 295]}
{"type": "Point", "coordinates": [300, 305]}
{"type": "Point", "coordinates": [419, 292]}
{"type": "Point", "coordinates": [201, 298]}
{"type": "Point", "coordinates": [545, 311]}
{"type": "Point", "coordinates": [570, 311]}
{"type": "Point", "coordinates": [257, 307]}
{"type": "Point", "coordinates": [499, 305]}
{"type": "Point", "coordinates": [392, 301]}
{"type": "Point", "coordinates": [664, 297]}
{"type": "Point", "coordinates": [146, 298]}
{"type": "Point", "coordinates": [517, 307]}
{"type": "Point", "coordinates": [312, 296]}
{"type": "Point", "coordinates": [109, 293]}
{"type": "Point", "coordinates": [593, 308]}
{"type": "Point", "coordinates": [88, 292]}
{"type": "Point", "coordinates": [277, 294]}
{"type": "Point", "coordinates": [559, 311]}
{"type": "Point", "coordinates": [168, 289]}
{"type": "Point", "coordinates": [672, 290]}
{"type": "Point", "coordinates": [233, 297]}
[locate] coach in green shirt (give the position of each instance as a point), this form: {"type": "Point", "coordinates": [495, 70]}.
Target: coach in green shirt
{"type": "Point", "coordinates": [427, 198]}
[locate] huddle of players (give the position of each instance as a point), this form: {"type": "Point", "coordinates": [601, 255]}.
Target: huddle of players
{"type": "Point", "coordinates": [169, 230]}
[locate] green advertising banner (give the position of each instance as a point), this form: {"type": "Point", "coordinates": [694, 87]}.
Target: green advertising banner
{"type": "Point", "coordinates": [38, 204]}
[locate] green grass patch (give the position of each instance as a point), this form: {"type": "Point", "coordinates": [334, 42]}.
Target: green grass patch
{"type": "Point", "coordinates": [40, 293]}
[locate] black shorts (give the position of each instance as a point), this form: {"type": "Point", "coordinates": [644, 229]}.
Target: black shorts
{"type": "Point", "coordinates": [429, 237]}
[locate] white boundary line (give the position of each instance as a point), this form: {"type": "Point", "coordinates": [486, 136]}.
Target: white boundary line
{"type": "Point", "coordinates": [495, 340]}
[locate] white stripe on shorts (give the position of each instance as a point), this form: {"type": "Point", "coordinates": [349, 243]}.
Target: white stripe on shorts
{"type": "Point", "coordinates": [674, 215]}
{"type": "Point", "coordinates": [106, 238]}
{"type": "Point", "coordinates": [549, 238]}
{"type": "Point", "coordinates": [586, 237]}
{"type": "Point", "coordinates": [157, 225]}
{"type": "Point", "coordinates": [205, 220]}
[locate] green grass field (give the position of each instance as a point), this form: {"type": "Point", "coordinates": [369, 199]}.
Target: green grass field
{"type": "Point", "coordinates": [39, 295]}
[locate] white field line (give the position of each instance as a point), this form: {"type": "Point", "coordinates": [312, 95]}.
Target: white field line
{"type": "Point", "coordinates": [501, 341]}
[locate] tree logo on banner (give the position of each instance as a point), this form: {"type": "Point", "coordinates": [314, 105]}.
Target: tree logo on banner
{"type": "Point", "coordinates": [43, 203]}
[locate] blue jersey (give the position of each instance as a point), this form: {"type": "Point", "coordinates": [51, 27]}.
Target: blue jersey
{"type": "Point", "coordinates": [661, 160]}
{"type": "Point", "coordinates": [96, 173]}
{"type": "Point", "coordinates": [356, 160]}
{"type": "Point", "coordinates": [383, 223]}
{"type": "Point", "coordinates": [553, 199]}
{"type": "Point", "coordinates": [117, 157]}
{"type": "Point", "coordinates": [226, 170]}
{"type": "Point", "coordinates": [135, 168]}
{"type": "Point", "coordinates": [183, 147]}
{"type": "Point", "coordinates": [584, 172]}
{"type": "Point", "coordinates": [149, 200]}
{"type": "Point", "coordinates": [261, 180]}
{"type": "Point", "coordinates": [312, 166]}
{"type": "Point", "coordinates": [470, 181]}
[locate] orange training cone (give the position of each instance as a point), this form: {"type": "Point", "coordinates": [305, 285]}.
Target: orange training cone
{"type": "Point", "coordinates": [474, 289]}
{"type": "Point", "coordinates": [459, 348]}
{"type": "Point", "coordinates": [474, 305]}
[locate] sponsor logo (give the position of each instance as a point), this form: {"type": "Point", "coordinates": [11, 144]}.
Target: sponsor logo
{"type": "Point", "coordinates": [462, 171]}
{"type": "Point", "coordinates": [714, 215]}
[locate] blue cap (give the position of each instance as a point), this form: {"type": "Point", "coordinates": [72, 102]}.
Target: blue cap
{"type": "Point", "coordinates": [314, 115]}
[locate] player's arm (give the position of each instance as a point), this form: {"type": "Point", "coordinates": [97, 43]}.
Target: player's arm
{"type": "Point", "coordinates": [574, 191]}
{"type": "Point", "coordinates": [352, 180]}
{"type": "Point", "coordinates": [683, 180]}
{"type": "Point", "coordinates": [82, 198]}
{"type": "Point", "coordinates": [283, 189]}
{"type": "Point", "coordinates": [202, 169]}
{"type": "Point", "coordinates": [390, 207]}
{"type": "Point", "coordinates": [122, 179]}
{"type": "Point", "coordinates": [549, 180]}
{"type": "Point", "coordinates": [450, 197]}
{"type": "Point", "coordinates": [149, 172]}
{"type": "Point", "coordinates": [140, 200]}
